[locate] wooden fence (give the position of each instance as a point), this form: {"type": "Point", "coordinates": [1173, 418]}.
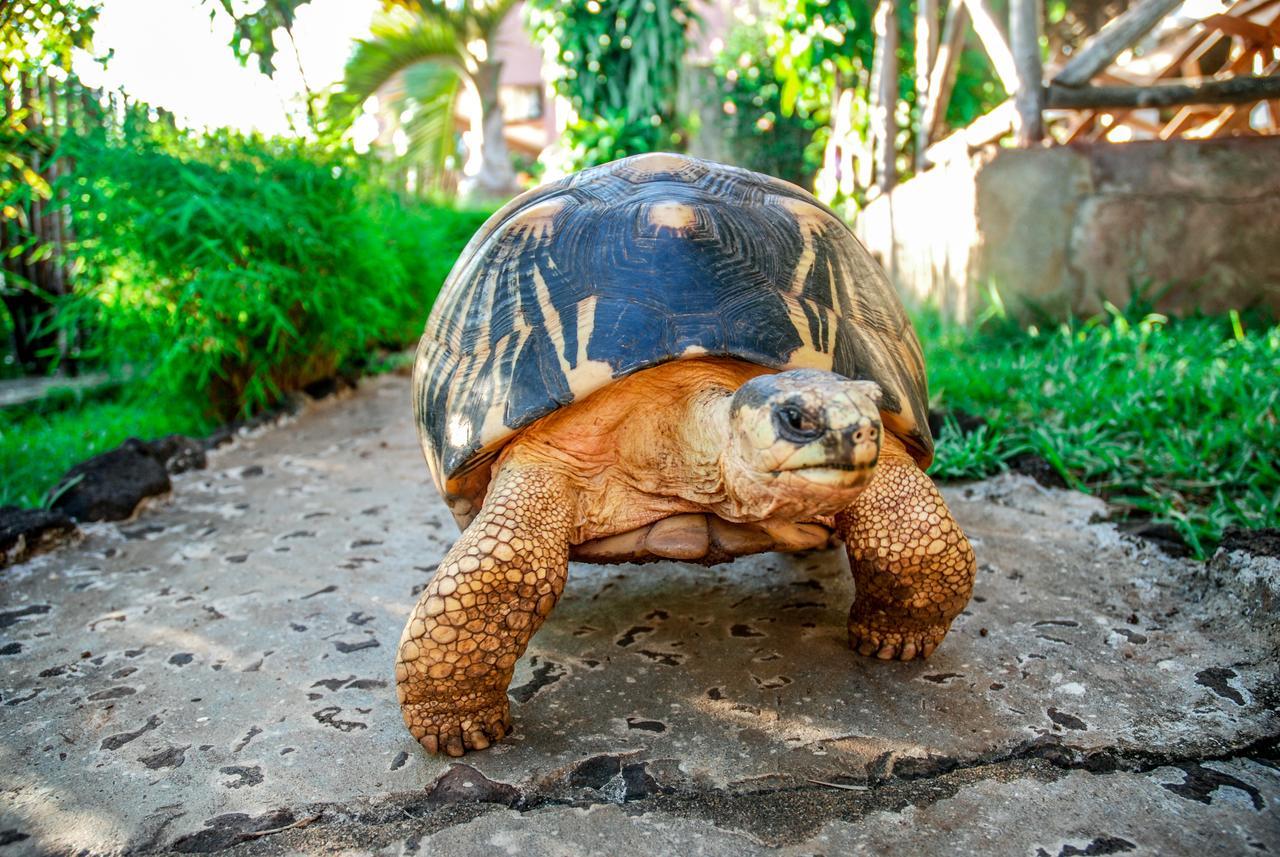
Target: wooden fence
{"type": "Point", "coordinates": [35, 226]}
{"type": "Point", "coordinates": [1084, 95]}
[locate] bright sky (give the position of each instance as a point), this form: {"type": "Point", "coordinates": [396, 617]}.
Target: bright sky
{"type": "Point", "coordinates": [169, 53]}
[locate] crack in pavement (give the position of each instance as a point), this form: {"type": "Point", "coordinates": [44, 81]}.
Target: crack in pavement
{"type": "Point", "coordinates": [775, 816]}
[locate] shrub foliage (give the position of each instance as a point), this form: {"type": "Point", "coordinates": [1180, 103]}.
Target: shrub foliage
{"type": "Point", "coordinates": [239, 268]}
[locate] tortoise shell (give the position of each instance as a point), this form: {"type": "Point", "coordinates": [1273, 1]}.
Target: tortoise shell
{"type": "Point", "coordinates": [628, 265]}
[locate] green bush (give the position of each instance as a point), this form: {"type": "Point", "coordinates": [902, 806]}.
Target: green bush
{"type": "Point", "coordinates": [239, 268]}
{"type": "Point", "coordinates": [224, 271]}
{"type": "Point", "coordinates": [620, 62]}
{"type": "Point", "coordinates": [761, 135]}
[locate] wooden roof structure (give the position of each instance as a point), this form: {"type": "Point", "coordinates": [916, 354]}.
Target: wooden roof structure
{"type": "Point", "coordinates": [1213, 76]}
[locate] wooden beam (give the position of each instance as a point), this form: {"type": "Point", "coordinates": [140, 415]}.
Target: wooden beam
{"type": "Point", "coordinates": [1236, 90]}
{"type": "Point", "coordinates": [993, 40]}
{"type": "Point", "coordinates": [926, 52]}
{"type": "Point", "coordinates": [942, 77]}
{"type": "Point", "coordinates": [1201, 40]}
{"type": "Point", "coordinates": [1098, 52]}
{"type": "Point", "coordinates": [884, 93]}
{"type": "Point", "coordinates": [1024, 33]}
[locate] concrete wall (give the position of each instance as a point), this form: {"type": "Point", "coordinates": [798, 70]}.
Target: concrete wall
{"type": "Point", "coordinates": [1067, 228]}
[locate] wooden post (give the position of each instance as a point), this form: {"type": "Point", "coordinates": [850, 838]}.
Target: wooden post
{"type": "Point", "coordinates": [943, 75]}
{"type": "Point", "coordinates": [884, 93]}
{"type": "Point", "coordinates": [1098, 52]}
{"type": "Point", "coordinates": [1024, 33]}
{"type": "Point", "coordinates": [926, 53]}
{"type": "Point", "coordinates": [993, 40]}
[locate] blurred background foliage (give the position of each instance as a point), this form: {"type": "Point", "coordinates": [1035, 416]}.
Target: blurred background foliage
{"type": "Point", "coordinates": [822, 47]}
{"type": "Point", "coordinates": [764, 136]}
{"type": "Point", "coordinates": [620, 69]}
{"type": "Point", "coordinates": [418, 57]}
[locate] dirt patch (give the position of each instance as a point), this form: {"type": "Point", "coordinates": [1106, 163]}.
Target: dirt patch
{"type": "Point", "coordinates": [1260, 542]}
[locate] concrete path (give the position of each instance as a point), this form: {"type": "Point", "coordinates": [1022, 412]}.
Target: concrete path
{"type": "Point", "coordinates": [216, 674]}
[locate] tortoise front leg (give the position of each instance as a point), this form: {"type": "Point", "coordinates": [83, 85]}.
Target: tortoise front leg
{"type": "Point", "coordinates": [912, 566]}
{"type": "Point", "coordinates": [474, 620]}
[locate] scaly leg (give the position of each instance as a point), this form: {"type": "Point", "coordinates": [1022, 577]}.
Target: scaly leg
{"type": "Point", "coordinates": [912, 566]}
{"type": "Point", "coordinates": [475, 618]}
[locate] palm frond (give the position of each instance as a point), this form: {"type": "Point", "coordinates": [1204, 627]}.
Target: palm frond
{"type": "Point", "coordinates": [399, 40]}
{"type": "Point", "coordinates": [488, 16]}
{"type": "Point", "coordinates": [427, 109]}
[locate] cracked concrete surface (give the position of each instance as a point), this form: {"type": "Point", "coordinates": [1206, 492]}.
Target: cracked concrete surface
{"type": "Point", "coordinates": [216, 674]}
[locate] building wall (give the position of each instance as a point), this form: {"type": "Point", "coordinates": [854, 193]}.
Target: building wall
{"type": "Point", "coordinates": [1067, 228]}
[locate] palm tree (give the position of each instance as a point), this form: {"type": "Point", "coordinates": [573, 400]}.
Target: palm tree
{"type": "Point", "coordinates": [418, 57]}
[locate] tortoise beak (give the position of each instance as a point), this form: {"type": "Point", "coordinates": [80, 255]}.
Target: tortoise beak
{"type": "Point", "coordinates": [835, 454]}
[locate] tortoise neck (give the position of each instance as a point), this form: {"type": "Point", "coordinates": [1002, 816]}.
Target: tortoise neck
{"type": "Point", "coordinates": [704, 430]}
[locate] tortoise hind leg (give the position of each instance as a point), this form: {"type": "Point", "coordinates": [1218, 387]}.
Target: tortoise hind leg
{"type": "Point", "coordinates": [912, 566]}
{"type": "Point", "coordinates": [490, 594]}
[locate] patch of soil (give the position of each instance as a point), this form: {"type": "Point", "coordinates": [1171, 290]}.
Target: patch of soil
{"type": "Point", "coordinates": [965, 421]}
{"type": "Point", "coordinates": [108, 487]}
{"type": "Point", "coordinates": [1038, 468]}
{"type": "Point", "coordinates": [326, 387]}
{"type": "Point", "coordinates": [1164, 536]}
{"type": "Point", "coordinates": [179, 453]}
{"type": "Point", "coordinates": [1260, 542]}
{"type": "Point", "coordinates": [27, 532]}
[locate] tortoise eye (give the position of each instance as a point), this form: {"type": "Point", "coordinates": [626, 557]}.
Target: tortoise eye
{"type": "Point", "coordinates": [796, 424]}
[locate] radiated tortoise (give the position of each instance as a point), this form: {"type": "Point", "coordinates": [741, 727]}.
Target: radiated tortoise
{"type": "Point", "coordinates": [664, 357]}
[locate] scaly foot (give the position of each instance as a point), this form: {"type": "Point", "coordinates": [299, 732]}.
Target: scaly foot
{"type": "Point", "coordinates": [884, 637]}
{"type": "Point", "coordinates": [453, 726]}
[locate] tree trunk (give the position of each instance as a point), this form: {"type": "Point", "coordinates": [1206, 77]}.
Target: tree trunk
{"type": "Point", "coordinates": [490, 174]}
{"type": "Point", "coordinates": [1024, 37]}
{"type": "Point", "coordinates": [884, 95]}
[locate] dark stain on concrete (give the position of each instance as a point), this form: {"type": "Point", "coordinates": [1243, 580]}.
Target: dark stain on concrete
{"type": "Point", "coordinates": [118, 740]}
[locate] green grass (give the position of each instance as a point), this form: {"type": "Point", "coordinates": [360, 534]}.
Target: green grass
{"type": "Point", "coordinates": [1175, 419]}
{"type": "Point", "coordinates": [38, 446]}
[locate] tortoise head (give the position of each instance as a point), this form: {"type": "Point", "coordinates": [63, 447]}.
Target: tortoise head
{"type": "Point", "coordinates": [801, 443]}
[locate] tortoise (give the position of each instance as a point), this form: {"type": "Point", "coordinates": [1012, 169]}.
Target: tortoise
{"type": "Point", "coordinates": [665, 358]}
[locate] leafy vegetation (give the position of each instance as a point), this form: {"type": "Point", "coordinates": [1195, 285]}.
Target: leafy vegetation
{"type": "Point", "coordinates": [622, 61]}
{"type": "Point", "coordinates": [1172, 419]}
{"type": "Point", "coordinates": [34, 38]}
{"type": "Point", "coordinates": [230, 270]}
{"type": "Point", "coordinates": [820, 47]}
{"type": "Point", "coordinates": [763, 136]}
{"type": "Point", "coordinates": [240, 268]}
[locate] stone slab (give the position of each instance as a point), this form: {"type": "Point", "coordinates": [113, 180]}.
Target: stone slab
{"type": "Point", "coordinates": [220, 666]}
{"type": "Point", "coordinates": [1065, 229]}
